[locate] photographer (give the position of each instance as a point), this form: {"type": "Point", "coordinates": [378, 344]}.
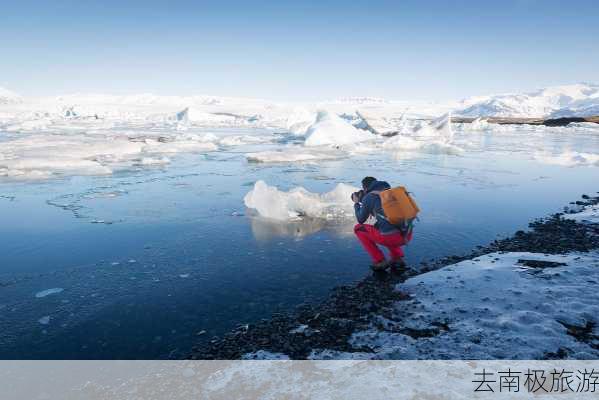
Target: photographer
{"type": "Point", "coordinates": [366, 203]}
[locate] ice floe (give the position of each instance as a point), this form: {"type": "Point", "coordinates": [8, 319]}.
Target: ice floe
{"type": "Point", "coordinates": [48, 292]}
{"type": "Point", "coordinates": [295, 154]}
{"type": "Point", "coordinates": [569, 159]}
{"type": "Point", "coordinates": [240, 140]}
{"type": "Point", "coordinates": [37, 156]}
{"type": "Point", "coordinates": [270, 202]}
{"type": "Point", "coordinates": [434, 137]}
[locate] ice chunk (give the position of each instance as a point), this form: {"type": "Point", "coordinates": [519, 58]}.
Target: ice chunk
{"type": "Point", "coordinates": [194, 115]}
{"type": "Point", "coordinates": [44, 320]}
{"type": "Point", "coordinates": [404, 143]}
{"type": "Point", "coordinates": [272, 203]}
{"type": "Point", "coordinates": [299, 121]}
{"type": "Point", "coordinates": [439, 128]}
{"type": "Point", "coordinates": [479, 124]}
{"type": "Point", "coordinates": [329, 129]}
{"type": "Point", "coordinates": [434, 137]}
{"type": "Point", "coordinates": [295, 154]}
{"type": "Point", "coordinates": [154, 161]}
{"type": "Point", "coordinates": [29, 125]}
{"type": "Point", "coordinates": [239, 140]}
{"type": "Point", "coordinates": [48, 292]}
{"type": "Point", "coordinates": [43, 155]}
{"type": "Point", "coordinates": [569, 159]}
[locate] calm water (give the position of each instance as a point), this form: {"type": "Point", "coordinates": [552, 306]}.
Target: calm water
{"type": "Point", "coordinates": [148, 259]}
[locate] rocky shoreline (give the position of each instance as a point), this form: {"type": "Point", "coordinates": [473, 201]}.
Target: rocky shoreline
{"type": "Point", "coordinates": [349, 309]}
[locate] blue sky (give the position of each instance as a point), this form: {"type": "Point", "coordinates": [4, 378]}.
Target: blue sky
{"type": "Point", "coordinates": [292, 50]}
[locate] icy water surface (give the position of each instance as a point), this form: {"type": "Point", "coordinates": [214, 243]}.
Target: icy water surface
{"type": "Point", "coordinates": [147, 262]}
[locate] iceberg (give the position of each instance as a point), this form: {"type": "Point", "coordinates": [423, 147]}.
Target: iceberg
{"type": "Point", "coordinates": [329, 129]}
{"type": "Point", "coordinates": [434, 137]}
{"type": "Point", "coordinates": [270, 202]}
{"type": "Point", "coordinates": [299, 121]}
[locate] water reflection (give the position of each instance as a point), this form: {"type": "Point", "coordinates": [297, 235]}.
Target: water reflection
{"type": "Point", "coordinates": [265, 229]}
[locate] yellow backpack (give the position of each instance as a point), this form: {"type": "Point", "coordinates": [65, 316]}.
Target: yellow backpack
{"type": "Point", "coordinates": [399, 207]}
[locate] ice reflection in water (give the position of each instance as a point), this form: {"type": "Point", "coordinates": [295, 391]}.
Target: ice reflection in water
{"type": "Point", "coordinates": [265, 229]}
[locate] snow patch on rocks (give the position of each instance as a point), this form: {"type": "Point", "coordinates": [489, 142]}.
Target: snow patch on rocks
{"type": "Point", "coordinates": [496, 307]}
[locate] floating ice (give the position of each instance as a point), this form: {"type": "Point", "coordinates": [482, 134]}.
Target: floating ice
{"type": "Point", "coordinates": [479, 124]}
{"type": "Point", "coordinates": [195, 115]}
{"type": "Point", "coordinates": [329, 129]}
{"type": "Point", "coordinates": [272, 203]}
{"type": "Point", "coordinates": [29, 125]}
{"type": "Point", "coordinates": [43, 155]}
{"type": "Point", "coordinates": [438, 129]}
{"type": "Point", "coordinates": [295, 154]}
{"type": "Point", "coordinates": [48, 292]}
{"type": "Point", "coordinates": [569, 159]}
{"type": "Point", "coordinates": [404, 143]}
{"type": "Point", "coordinates": [434, 137]}
{"type": "Point", "coordinates": [154, 160]}
{"type": "Point", "coordinates": [239, 140]}
{"type": "Point", "coordinates": [299, 121]}
{"type": "Point", "coordinates": [44, 320]}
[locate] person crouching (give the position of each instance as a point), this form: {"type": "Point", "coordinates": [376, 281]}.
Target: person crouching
{"type": "Point", "coordinates": [366, 203]}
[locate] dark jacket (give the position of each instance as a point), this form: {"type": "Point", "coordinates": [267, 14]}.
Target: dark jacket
{"type": "Point", "coordinates": [371, 205]}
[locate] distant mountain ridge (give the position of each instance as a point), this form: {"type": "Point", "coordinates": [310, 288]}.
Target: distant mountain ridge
{"type": "Point", "coordinates": [580, 100]}
{"type": "Point", "coordinates": [576, 100]}
{"type": "Point", "coordinates": [9, 97]}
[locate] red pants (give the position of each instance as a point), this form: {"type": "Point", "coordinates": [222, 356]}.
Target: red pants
{"type": "Point", "coordinates": [369, 236]}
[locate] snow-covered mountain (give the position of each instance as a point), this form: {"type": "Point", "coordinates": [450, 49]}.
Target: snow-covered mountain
{"type": "Point", "coordinates": [558, 101]}
{"type": "Point", "coordinates": [8, 97]}
{"type": "Point", "coordinates": [568, 100]}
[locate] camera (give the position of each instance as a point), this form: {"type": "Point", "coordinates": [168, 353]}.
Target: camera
{"type": "Point", "coordinates": [357, 195]}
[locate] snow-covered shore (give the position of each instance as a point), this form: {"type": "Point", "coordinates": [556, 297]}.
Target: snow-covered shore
{"type": "Point", "coordinates": [530, 296]}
